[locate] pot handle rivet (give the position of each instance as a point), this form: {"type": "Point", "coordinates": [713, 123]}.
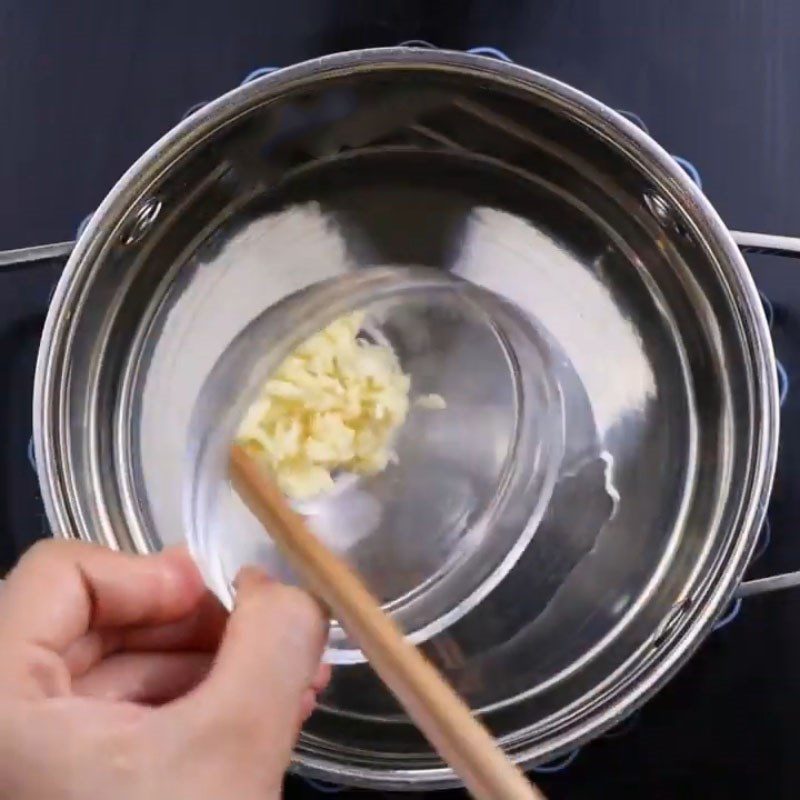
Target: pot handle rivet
{"type": "Point", "coordinates": [142, 220]}
{"type": "Point", "coordinates": [670, 622]}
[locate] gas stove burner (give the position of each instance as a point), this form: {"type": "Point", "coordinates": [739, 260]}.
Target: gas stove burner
{"type": "Point", "coordinates": [325, 788]}
{"type": "Point", "coordinates": [560, 764]}
{"type": "Point", "coordinates": [623, 728]}
{"type": "Point", "coordinates": [31, 454]}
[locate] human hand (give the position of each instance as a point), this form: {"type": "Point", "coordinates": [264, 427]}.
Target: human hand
{"type": "Point", "coordinates": [121, 676]}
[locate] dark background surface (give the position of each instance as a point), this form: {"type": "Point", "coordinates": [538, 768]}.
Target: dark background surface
{"type": "Point", "coordinates": [85, 87]}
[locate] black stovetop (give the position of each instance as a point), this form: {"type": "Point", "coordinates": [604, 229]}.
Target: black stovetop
{"type": "Point", "coordinates": [88, 86]}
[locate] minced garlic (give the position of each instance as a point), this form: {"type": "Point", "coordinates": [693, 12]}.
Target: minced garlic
{"type": "Point", "coordinates": [333, 405]}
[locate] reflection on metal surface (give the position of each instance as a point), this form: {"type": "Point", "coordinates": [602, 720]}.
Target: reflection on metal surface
{"type": "Point", "coordinates": [555, 287]}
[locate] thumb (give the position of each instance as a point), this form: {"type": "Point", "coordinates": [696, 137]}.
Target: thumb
{"type": "Point", "coordinates": [268, 659]}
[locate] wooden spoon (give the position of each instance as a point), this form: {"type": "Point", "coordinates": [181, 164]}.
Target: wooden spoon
{"type": "Point", "coordinates": [430, 701]}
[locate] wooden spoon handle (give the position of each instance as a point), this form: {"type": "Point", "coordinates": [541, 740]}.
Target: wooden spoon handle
{"type": "Point", "coordinates": [436, 709]}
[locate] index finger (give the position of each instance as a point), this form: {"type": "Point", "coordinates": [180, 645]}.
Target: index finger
{"type": "Point", "coordinates": [62, 589]}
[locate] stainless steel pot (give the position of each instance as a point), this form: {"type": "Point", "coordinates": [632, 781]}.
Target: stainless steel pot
{"type": "Point", "coordinates": [529, 189]}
